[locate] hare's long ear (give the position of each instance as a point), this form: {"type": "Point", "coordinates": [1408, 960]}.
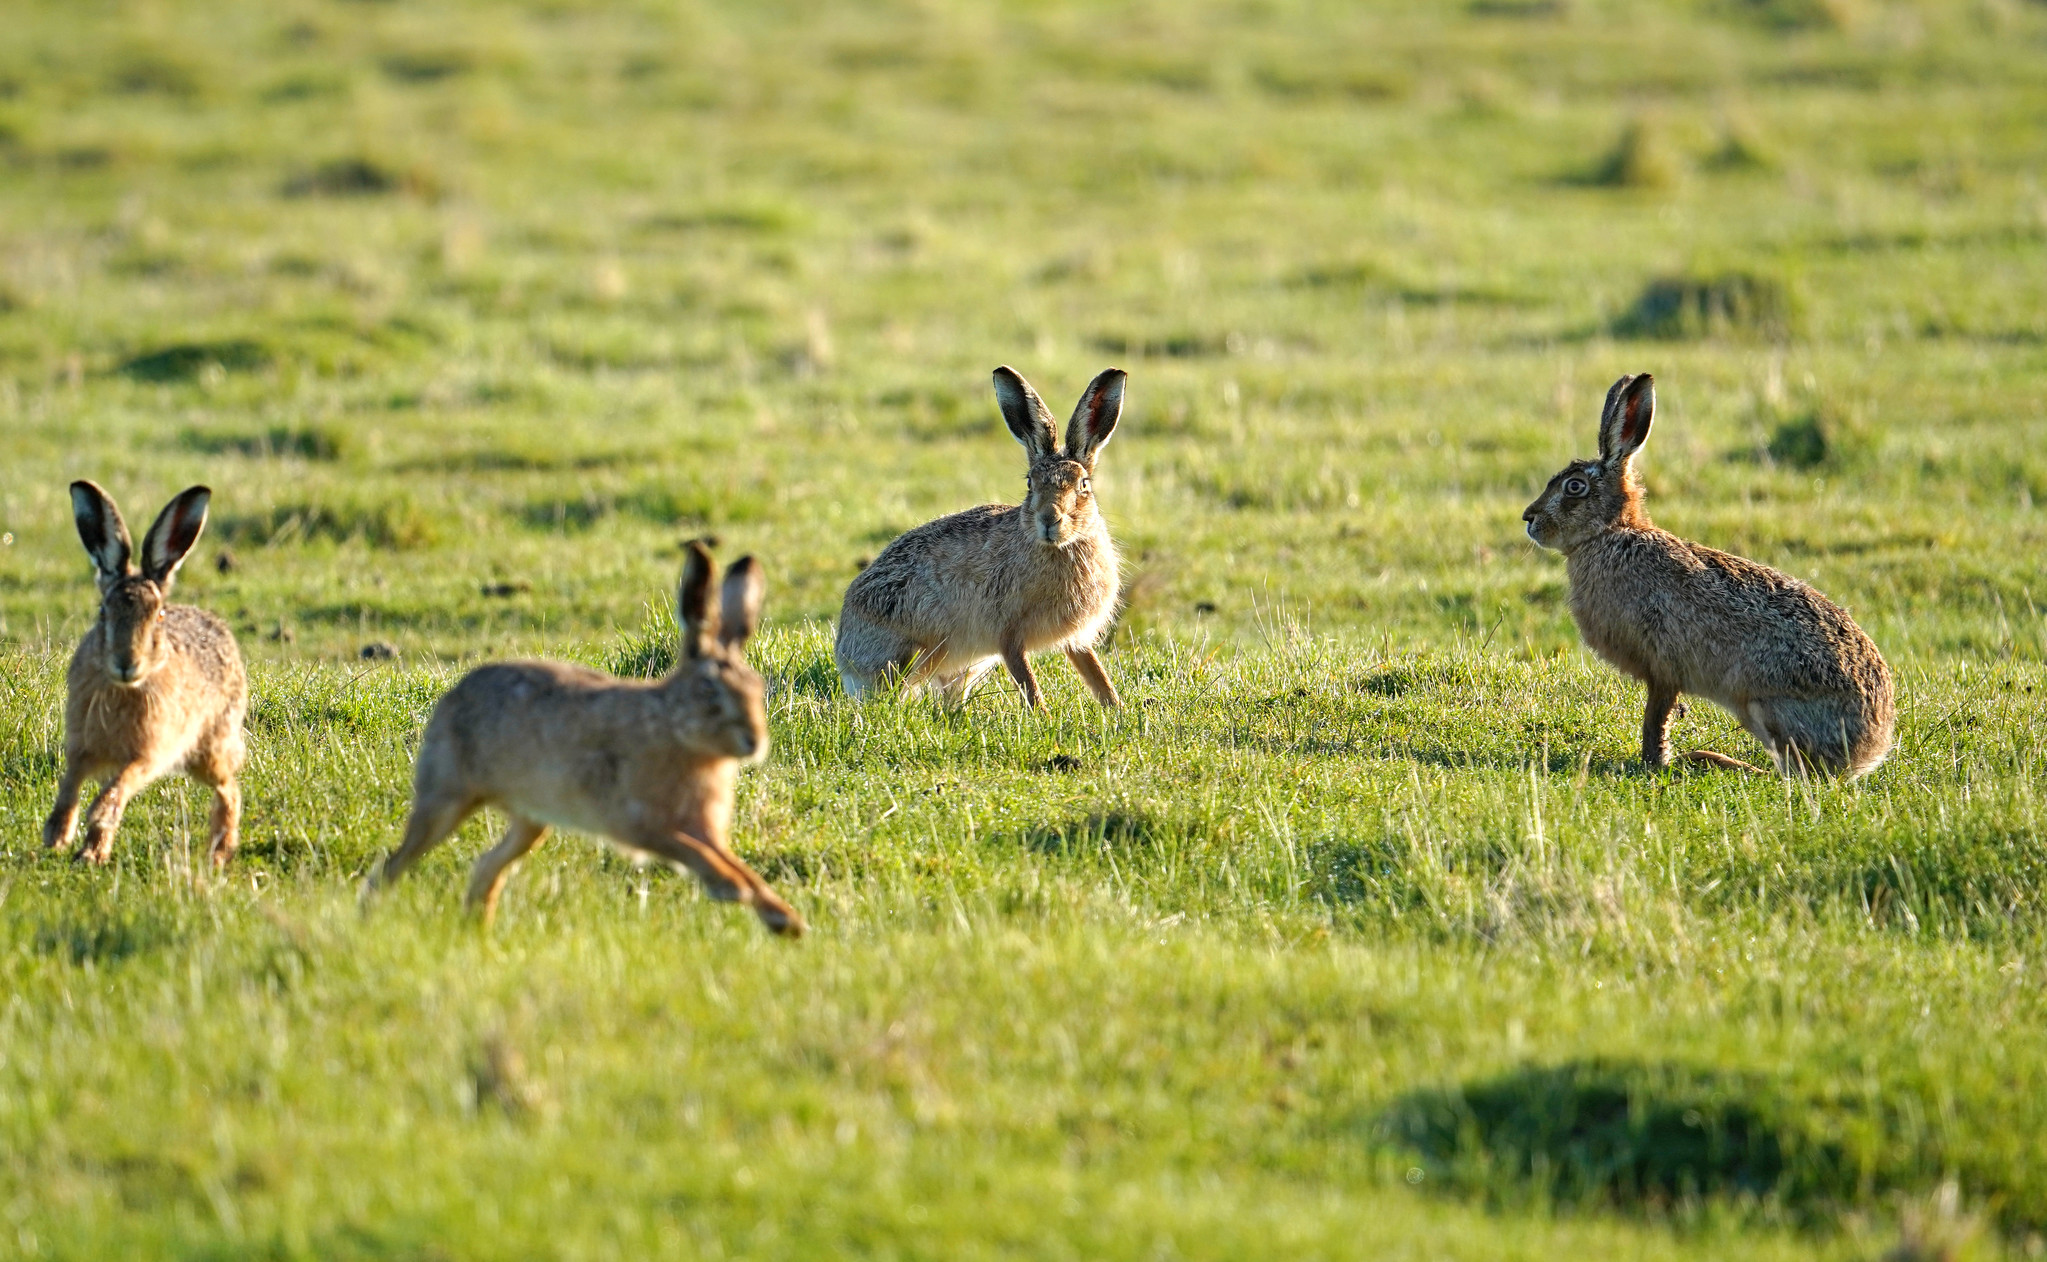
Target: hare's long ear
{"type": "Point", "coordinates": [1624, 426]}
{"type": "Point", "coordinates": [1095, 416]}
{"type": "Point", "coordinates": [745, 588]}
{"type": "Point", "coordinates": [693, 599]}
{"type": "Point", "coordinates": [101, 529]}
{"type": "Point", "coordinates": [1025, 413]}
{"type": "Point", "coordinates": [176, 530]}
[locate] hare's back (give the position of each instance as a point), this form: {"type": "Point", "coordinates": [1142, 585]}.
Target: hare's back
{"type": "Point", "coordinates": [545, 738]}
{"type": "Point", "coordinates": [935, 559]}
{"type": "Point", "coordinates": [517, 692]}
{"type": "Point", "coordinates": [1794, 633]}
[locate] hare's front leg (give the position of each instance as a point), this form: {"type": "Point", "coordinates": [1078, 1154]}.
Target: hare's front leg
{"type": "Point", "coordinates": [1656, 726]}
{"type": "Point", "coordinates": [725, 877]}
{"type": "Point", "coordinates": [64, 815]}
{"type": "Point", "coordinates": [1020, 670]}
{"type": "Point", "coordinates": [1094, 675]}
{"type": "Point", "coordinates": [103, 819]}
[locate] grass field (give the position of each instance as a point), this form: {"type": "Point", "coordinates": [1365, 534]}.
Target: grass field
{"type": "Point", "coordinates": [1360, 931]}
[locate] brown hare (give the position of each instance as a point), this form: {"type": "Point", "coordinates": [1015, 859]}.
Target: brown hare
{"type": "Point", "coordinates": [1789, 664]}
{"type": "Point", "coordinates": [946, 601]}
{"type": "Point", "coordinates": [648, 764]}
{"type": "Point", "coordinates": [154, 687]}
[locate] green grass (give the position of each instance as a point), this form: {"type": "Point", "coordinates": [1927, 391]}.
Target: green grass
{"type": "Point", "coordinates": [1359, 932]}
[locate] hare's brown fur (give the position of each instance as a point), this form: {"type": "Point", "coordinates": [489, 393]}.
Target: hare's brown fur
{"type": "Point", "coordinates": [946, 601]}
{"type": "Point", "coordinates": [1789, 664]}
{"type": "Point", "coordinates": [153, 687]}
{"type": "Point", "coordinates": [649, 764]}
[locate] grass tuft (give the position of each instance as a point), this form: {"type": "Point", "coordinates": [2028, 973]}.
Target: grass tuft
{"type": "Point", "coordinates": [1729, 304]}
{"type": "Point", "coordinates": [189, 361]}
{"type": "Point", "coordinates": [1642, 158]}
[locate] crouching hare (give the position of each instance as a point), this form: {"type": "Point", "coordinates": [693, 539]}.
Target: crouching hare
{"type": "Point", "coordinates": [946, 601]}
{"type": "Point", "coordinates": [154, 687]}
{"type": "Point", "coordinates": [1789, 664]}
{"type": "Point", "coordinates": [648, 764]}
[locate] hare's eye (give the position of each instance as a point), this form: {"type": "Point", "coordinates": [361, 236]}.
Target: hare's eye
{"type": "Point", "coordinates": [1085, 485]}
{"type": "Point", "coordinates": [1575, 487]}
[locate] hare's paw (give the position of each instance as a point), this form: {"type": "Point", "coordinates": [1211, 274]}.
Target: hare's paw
{"type": "Point", "coordinates": [780, 918]}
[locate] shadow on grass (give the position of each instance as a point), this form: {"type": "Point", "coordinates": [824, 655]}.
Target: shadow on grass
{"type": "Point", "coordinates": [106, 937]}
{"type": "Point", "coordinates": [1119, 831]}
{"type": "Point", "coordinates": [1636, 1136]}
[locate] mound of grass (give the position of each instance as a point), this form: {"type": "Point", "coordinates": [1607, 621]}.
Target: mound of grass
{"type": "Point", "coordinates": [1642, 157]}
{"type": "Point", "coordinates": [302, 442]}
{"type": "Point", "coordinates": [359, 177]}
{"type": "Point", "coordinates": [399, 522]}
{"type": "Point", "coordinates": [1666, 1138]}
{"type": "Point", "coordinates": [189, 360]}
{"type": "Point", "coordinates": [1727, 304]}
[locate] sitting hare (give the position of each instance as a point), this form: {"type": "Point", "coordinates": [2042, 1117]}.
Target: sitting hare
{"type": "Point", "coordinates": [949, 599]}
{"type": "Point", "coordinates": [1789, 664]}
{"type": "Point", "coordinates": [648, 764]}
{"type": "Point", "coordinates": [154, 687]}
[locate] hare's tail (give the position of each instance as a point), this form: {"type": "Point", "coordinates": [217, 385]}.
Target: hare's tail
{"type": "Point", "coordinates": [1722, 760]}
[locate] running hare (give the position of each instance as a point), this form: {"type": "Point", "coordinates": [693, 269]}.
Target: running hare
{"type": "Point", "coordinates": [154, 687]}
{"type": "Point", "coordinates": [650, 765]}
{"type": "Point", "coordinates": [949, 599]}
{"type": "Point", "coordinates": [1788, 663]}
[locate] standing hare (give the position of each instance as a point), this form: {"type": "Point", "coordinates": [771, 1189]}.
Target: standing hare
{"type": "Point", "coordinates": [154, 687]}
{"type": "Point", "coordinates": [648, 764]}
{"type": "Point", "coordinates": [949, 599]}
{"type": "Point", "coordinates": [1789, 664]}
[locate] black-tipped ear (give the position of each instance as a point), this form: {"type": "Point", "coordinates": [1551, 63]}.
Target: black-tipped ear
{"type": "Point", "coordinates": [1095, 416]}
{"type": "Point", "coordinates": [740, 601]}
{"type": "Point", "coordinates": [1025, 413]}
{"type": "Point", "coordinates": [101, 529]}
{"type": "Point", "coordinates": [693, 598]}
{"type": "Point", "coordinates": [176, 529]}
{"type": "Point", "coordinates": [1624, 425]}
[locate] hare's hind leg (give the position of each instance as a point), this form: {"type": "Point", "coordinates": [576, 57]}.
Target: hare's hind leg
{"type": "Point", "coordinates": [1656, 736]}
{"type": "Point", "coordinates": [955, 688]}
{"type": "Point", "coordinates": [217, 768]}
{"type": "Point", "coordinates": [869, 656]}
{"type": "Point", "coordinates": [435, 816]}
{"type": "Point", "coordinates": [1804, 737]}
{"type": "Point", "coordinates": [226, 822]}
{"type": "Point", "coordinates": [487, 879]}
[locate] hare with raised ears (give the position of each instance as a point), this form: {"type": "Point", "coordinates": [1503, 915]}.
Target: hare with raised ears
{"type": "Point", "coordinates": [1789, 664]}
{"type": "Point", "coordinates": [946, 601]}
{"type": "Point", "coordinates": [154, 687]}
{"type": "Point", "coordinates": [648, 764]}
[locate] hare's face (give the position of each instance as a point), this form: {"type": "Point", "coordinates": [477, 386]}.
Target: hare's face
{"type": "Point", "coordinates": [1060, 506]}
{"type": "Point", "coordinates": [1577, 504]}
{"type": "Point", "coordinates": [726, 711]}
{"type": "Point", "coordinates": [132, 630]}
